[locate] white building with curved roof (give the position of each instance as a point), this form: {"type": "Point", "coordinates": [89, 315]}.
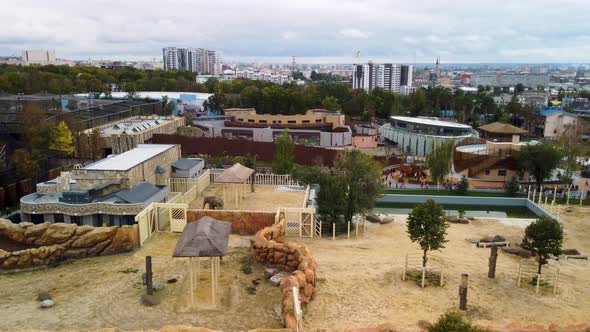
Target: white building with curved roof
{"type": "Point", "coordinates": [417, 136]}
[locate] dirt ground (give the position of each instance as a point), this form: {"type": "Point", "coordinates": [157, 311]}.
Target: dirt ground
{"type": "Point", "coordinates": [265, 198]}
{"type": "Point", "coordinates": [360, 280]}
{"type": "Point", "coordinates": [105, 292]}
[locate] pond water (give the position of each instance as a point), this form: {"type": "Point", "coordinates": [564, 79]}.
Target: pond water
{"type": "Point", "coordinates": [479, 211]}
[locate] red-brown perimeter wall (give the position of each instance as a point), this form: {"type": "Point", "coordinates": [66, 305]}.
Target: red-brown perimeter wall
{"type": "Point", "coordinates": [242, 222]}
{"type": "Point", "coordinates": [304, 155]}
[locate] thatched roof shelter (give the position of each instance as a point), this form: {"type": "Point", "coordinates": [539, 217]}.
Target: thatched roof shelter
{"type": "Point", "coordinates": [206, 237]}
{"type": "Point", "coordinates": [502, 129]}
{"type": "Point", "coordinates": [235, 174]}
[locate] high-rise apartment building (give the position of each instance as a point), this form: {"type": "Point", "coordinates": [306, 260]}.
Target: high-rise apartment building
{"type": "Point", "coordinates": [387, 76]}
{"type": "Point", "coordinates": [39, 57]}
{"type": "Point", "coordinates": [170, 55]}
{"type": "Point", "coordinates": [197, 60]}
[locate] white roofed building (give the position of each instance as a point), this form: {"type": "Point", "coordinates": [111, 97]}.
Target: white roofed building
{"type": "Point", "coordinates": [417, 136]}
{"type": "Point", "coordinates": [110, 191]}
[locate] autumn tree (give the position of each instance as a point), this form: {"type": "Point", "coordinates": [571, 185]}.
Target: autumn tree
{"type": "Point", "coordinates": [569, 141]}
{"type": "Point", "coordinates": [62, 139]}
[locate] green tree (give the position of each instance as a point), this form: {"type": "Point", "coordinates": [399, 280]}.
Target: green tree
{"type": "Point", "coordinates": [25, 163]}
{"type": "Point", "coordinates": [540, 160]}
{"type": "Point", "coordinates": [331, 103]}
{"type": "Point", "coordinates": [426, 225]}
{"type": "Point", "coordinates": [307, 175]}
{"type": "Point", "coordinates": [188, 120]}
{"type": "Point", "coordinates": [512, 187]}
{"type": "Point", "coordinates": [560, 94]}
{"type": "Point", "coordinates": [439, 161]}
{"type": "Point", "coordinates": [283, 161]}
{"type": "Point", "coordinates": [543, 237]}
{"type": "Point", "coordinates": [519, 88]}
{"type": "Point", "coordinates": [167, 106]}
{"type": "Point", "coordinates": [62, 139]}
{"type": "Point", "coordinates": [362, 177]}
{"type": "Point", "coordinates": [463, 186]}
{"type": "Point", "coordinates": [331, 199]}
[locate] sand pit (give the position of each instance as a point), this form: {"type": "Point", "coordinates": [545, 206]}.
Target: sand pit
{"type": "Point", "coordinates": [359, 281]}
{"type": "Point", "coordinates": [104, 292]}
{"type": "Point", "coordinates": [265, 198]}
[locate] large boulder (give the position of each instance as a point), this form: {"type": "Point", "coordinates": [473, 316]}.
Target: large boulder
{"type": "Point", "coordinates": [126, 239]}
{"type": "Point", "coordinates": [11, 231]}
{"type": "Point", "coordinates": [497, 238]}
{"type": "Point", "coordinates": [373, 218]}
{"type": "Point", "coordinates": [56, 233]}
{"type": "Point", "coordinates": [95, 236]}
{"type": "Point", "coordinates": [387, 220]}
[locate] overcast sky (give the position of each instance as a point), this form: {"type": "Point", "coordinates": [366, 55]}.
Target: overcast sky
{"type": "Point", "coordinates": [313, 30]}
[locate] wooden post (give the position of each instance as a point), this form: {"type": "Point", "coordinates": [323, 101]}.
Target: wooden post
{"type": "Point", "coordinates": [463, 291]}
{"type": "Point", "coordinates": [423, 276]}
{"type": "Point", "coordinates": [538, 283]}
{"type": "Point", "coordinates": [528, 193]}
{"type": "Point", "coordinates": [534, 194]}
{"type": "Point", "coordinates": [540, 195]}
{"type": "Point", "coordinates": [492, 262]}
{"type": "Point", "coordinates": [568, 195]}
{"type": "Point", "coordinates": [333, 231]}
{"type": "Point", "coordinates": [546, 200]}
{"type": "Point", "coordinates": [519, 274]}
{"type": "Point", "coordinates": [554, 194]}
{"type": "Point", "coordinates": [356, 230]}
{"type": "Point", "coordinates": [405, 268]}
{"type": "Point", "coordinates": [442, 275]}
{"type": "Point", "coordinates": [556, 281]}
{"type": "Point", "coordinates": [348, 231]}
{"type": "Point", "coordinates": [148, 275]}
{"type": "Point", "coordinates": [191, 276]}
{"type": "Point", "coordinates": [253, 179]}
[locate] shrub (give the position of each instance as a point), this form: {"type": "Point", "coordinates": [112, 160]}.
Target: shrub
{"type": "Point", "coordinates": [452, 322]}
{"type": "Point", "coordinates": [462, 186]}
{"type": "Point", "coordinates": [247, 269]}
{"type": "Point", "coordinates": [512, 187]}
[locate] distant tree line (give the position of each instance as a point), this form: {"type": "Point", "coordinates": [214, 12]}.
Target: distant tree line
{"type": "Point", "coordinates": [320, 91]}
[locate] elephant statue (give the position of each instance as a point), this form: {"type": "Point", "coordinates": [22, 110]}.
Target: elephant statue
{"type": "Point", "coordinates": [215, 203]}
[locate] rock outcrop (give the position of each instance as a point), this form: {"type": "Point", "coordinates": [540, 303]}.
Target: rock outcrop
{"type": "Point", "coordinates": [56, 242]}
{"type": "Point", "coordinates": [271, 249]}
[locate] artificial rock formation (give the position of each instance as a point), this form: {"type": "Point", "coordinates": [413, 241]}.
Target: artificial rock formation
{"type": "Point", "coordinates": [52, 242]}
{"type": "Point", "coordinates": [271, 249]}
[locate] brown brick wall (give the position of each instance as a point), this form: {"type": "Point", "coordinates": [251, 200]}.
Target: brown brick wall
{"type": "Point", "coordinates": [304, 155]}
{"type": "Point", "coordinates": [242, 222]}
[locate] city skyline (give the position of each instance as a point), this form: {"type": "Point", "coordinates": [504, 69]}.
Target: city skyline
{"type": "Point", "coordinates": [322, 32]}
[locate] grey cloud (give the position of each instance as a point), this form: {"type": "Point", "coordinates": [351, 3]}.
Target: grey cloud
{"type": "Point", "coordinates": [458, 30]}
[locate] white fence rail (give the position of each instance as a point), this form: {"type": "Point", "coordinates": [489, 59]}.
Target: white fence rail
{"type": "Point", "coordinates": [270, 179]}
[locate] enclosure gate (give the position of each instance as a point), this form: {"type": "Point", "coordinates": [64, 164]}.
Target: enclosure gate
{"type": "Point", "coordinates": [300, 222]}
{"type": "Point", "coordinates": [157, 216]}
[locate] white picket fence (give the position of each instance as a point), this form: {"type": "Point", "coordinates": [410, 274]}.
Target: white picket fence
{"type": "Point", "coordinates": [270, 179]}
{"type": "Point", "coordinates": [185, 190]}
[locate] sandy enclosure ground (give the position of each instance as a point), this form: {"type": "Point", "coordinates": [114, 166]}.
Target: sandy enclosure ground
{"type": "Point", "coordinates": [265, 198]}
{"type": "Point", "coordinates": [360, 280]}
{"type": "Point", "coordinates": [105, 292]}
